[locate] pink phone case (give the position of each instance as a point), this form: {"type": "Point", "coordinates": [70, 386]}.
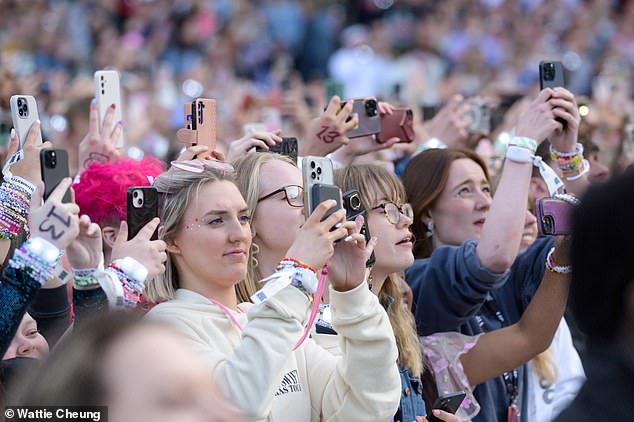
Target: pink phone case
{"type": "Point", "coordinates": [553, 216]}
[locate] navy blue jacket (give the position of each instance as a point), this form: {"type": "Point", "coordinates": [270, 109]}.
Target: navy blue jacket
{"type": "Point", "coordinates": [450, 289]}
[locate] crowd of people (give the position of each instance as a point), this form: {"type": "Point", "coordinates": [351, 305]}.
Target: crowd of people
{"type": "Point", "coordinates": [239, 302]}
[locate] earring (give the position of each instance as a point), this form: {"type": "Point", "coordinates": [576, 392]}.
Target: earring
{"type": "Point", "coordinates": [430, 229]}
{"type": "Point", "coordinates": [255, 249]}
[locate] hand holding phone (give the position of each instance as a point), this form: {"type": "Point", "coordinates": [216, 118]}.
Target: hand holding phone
{"type": "Point", "coordinates": [368, 118]}
{"type": "Point", "coordinates": [553, 216]}
{"type": "Point", "coordinates": [353, 205]}
{"type": "Point", "coordinates": [315, 170]}
{"type": "Point", "coordinates": [142, 207]}
{"type": "Point", "coordinates": [54, 168]}
{"type": "Point", "coordinates": [288, 148]}
{"type": "Point", "coordinates": [450, 402]}
{"type": "Point", "coordinates": [24, 114]}
{"type": "Point", "coordinates": [399, 124]}
{"type": "Point", "coordinates": [108, 96]}
{"type": "Point", "coordinates": [551, 75]}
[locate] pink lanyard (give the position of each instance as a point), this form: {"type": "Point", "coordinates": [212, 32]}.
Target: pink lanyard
{"type": "Point", "coordinates": [228, 313]}
{"type": "Point", "coordinates": [314, 309]}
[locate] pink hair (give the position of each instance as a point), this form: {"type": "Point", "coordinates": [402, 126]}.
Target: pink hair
{"type": "Point", "coordinates": [101, 191]}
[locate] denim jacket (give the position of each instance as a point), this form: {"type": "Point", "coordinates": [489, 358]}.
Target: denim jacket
{"type": "Point", "coordinates": [412, 403]}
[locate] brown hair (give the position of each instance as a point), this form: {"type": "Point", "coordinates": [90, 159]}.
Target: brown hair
{"type": "Point", "coordinates": [373, 182]}
{"type": "Point", "coordinates": [425, 178]}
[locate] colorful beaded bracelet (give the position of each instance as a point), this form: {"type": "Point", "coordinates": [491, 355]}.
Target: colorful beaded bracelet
{"type": "Point", "coordinates": [287, 261]}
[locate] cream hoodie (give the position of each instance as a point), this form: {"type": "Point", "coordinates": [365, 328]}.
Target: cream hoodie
{"type": "Point", "coordinates": [258, 371]}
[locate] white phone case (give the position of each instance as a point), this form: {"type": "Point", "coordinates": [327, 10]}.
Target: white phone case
{"type": "Point", "coordinates": [26, 105]}
{"type": "Point", "coordinates": [315, 170]}
{"type": "Point", "coordinates": [108, 92]}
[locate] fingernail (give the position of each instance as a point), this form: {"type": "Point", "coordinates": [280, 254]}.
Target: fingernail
{"type": "Point", "coordinates": [38, 121]}
{"type": "Point", "coordinates": [338, 225]}
{"type": "Point", "coordinates": [13, 135]}
{"type": "Point", "coordinates": [113, 106]}
{"type": "Point", "coordinates": [93, 101]}
{"type": "Point", "coordinates": [348, 238]}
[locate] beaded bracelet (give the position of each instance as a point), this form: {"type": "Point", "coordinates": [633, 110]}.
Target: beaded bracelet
{"type": "Point", "coordinates": [575, 176]}
{"type": "Point", "coordinates": [36, 265]}
{"type": "Point", "coordinates": [557, 155]}
{"type": "Point", "coordinates": [15, 195]}
{"type": "Point", "coordinates": [132, 289]}
{"type": "Point", "coordinates": [85, 279]}
{"type": "Point", "coordinates": [287, 261]}
{"type": "Point", "coordinates": [554, 268]}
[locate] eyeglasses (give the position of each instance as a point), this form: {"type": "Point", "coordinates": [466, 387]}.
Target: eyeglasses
{"type": "Point", "coordinates": [293, 194]}
{"type": "Point", "coordinates": [393, 212]}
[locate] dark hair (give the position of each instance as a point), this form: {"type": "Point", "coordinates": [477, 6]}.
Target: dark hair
{"type": "Point", "coordinates": [425, 178]}
{"type": "Point", "coordinates": [603, 229]}
{"type": "Point", "coordinates": [71, 374]}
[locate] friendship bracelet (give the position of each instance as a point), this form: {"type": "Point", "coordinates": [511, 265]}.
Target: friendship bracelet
{"type": "Point", "coordinates": [555, 155]}
{"type": "Point", "coordinates": [38, 258]}
{"type": "Point", "coordinates": [583, 172]}
{"type": "Point", "coordinates": [15, 196]}
{"type": "Point", "coordinates": [554, 268]}
{"type": "Point", "coordinates": [85, 279]}
{"type": "Point", "coordinates": [131, 288]}
{"type": "Point", "coordinates": [297, 263]}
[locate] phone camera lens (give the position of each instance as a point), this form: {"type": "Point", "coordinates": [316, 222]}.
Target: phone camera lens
{"type": "Point", "coordinates": [548, 224]}
{"type": "Point", "coordinates": [313, 175]}
{"type": "Point", "coordinates": [312, 164]}
{"type": "Point", "coordinates": [135, 194]}
{"type": "Point", "coordinates": [371, 108]}
{"type": "Point", "coordinates": [53, 154]}
{"type": "Point", "coordinates": [19, 101]}
{"type": "Point", "coordinates": [318, 170]}
{"type": "Point", "coordinates": [102, 77]}
{"type": "Point", "coordinates": [21, 113]}
{"type": "Point", "coordinates": [139, 202]}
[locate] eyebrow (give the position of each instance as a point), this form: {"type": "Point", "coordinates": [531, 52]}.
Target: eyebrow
{"type": "Point", "coordinates": [223, 212]}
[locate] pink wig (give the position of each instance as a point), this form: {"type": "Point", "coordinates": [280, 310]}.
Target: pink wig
{"type": "Point", "coordinates": [101, 191]}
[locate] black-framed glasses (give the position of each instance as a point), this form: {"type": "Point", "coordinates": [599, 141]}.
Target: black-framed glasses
{"type": "Point", "coordinates": [393, 212]}
{"type": "Point", "coordinates": [293, 194]}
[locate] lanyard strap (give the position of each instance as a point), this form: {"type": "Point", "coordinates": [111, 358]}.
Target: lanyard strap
{"type": "Point", "coordinates": [228, 313]}
{"type": "Point", "coordinates": [314, 309]}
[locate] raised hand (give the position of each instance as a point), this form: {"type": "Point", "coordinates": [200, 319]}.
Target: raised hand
{"type": "Point", "coordinates": [54, 221]}
{"type": "Point", "coordinates": [262, 140]}
{"type": "Point", "coordinates": [150, 253]}
{"type": "Point", "coordinates": [86, 251]}
{"type": "Point", "coordinates": [450, 123]}
{"type": "Point", "coordinates": [564, 106]}
{"type": "Point", "coordinates": [327, 132]}
{"type": "Point", "coordinates": [28, 167]}
{"type": "Point", "coordinates": [100, 143]}
{"type": "Point", "coordinates": [315, 242]}
{"type": "Point", "coordinates": [346, 269]}
{"type": "Point", "coordinates": [538, 120]}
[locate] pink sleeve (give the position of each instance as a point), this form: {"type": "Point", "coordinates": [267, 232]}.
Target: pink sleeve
{"type": "Point", "coordinates": [443, 351]}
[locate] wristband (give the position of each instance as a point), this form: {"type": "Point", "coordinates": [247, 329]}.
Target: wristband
{"type": "Point", "coordinates": [293, 262]}
{"type": "Point", "coordinates": [584, 170]}
{"type": "Point", "coordinates": [554, 268]}
{"type": "Point", "coordinates": [85, 279]}
{"type": "Point", "coordinates": [301, 278]}
{"type": "Point", "coordinates": [43, 249]}
{"type": "Point", "coordinates": [519, 154]}
{"type": "Point", "coordinates": [132, 268]}
{"type": "Point", "coordinates": [38, 258]}
{"type": "Point", "coordinates": [557, 155]}
{"type": "Point", "coordinates": [524, 142]}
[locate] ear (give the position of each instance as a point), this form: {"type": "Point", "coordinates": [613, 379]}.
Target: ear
{"type": "Point", "coordinates": [109, 234]}
{"type": "Point", "coordinates": [538, 188]}
{"type": "Point", "coordinates": [426, 218]}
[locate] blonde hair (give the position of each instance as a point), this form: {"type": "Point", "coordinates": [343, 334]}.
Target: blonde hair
{"type": "Point", "coordinates": [248, 169]}
{"type": "Point", "coordinates": [545, 367]}
{"type": "Point", "coordinates": [373, 181]}
{"type": "Point", "coordinates": [177, 189]}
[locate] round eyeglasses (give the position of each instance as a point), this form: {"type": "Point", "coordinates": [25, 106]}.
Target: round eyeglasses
{"type": "Point", "coordinates": [293, 194]}
{"type": "Point", "coordinates": [393, 212]}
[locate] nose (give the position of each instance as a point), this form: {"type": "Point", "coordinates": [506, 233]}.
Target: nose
{"type": "Point", "coordinates": [530, 219]}
{"type": "Point", "coordinates": [239, 232]}
{"type": "Point", "coordinates": [25, 348]}
{"type": "Point", "coordinates": [483, 201]}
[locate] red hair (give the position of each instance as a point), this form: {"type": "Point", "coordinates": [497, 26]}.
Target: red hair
{"type": "Point", "coordinates": [101, 191]}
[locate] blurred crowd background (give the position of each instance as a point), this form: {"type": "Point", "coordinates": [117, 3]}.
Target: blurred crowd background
{"type": "Point", "coordinates": [267, 60]}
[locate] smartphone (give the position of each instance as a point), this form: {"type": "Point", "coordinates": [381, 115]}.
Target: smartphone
{"type": "Point", "coordinates": [288, 147]}
{"type": "Point", "coordinates": [332, 88]}
{"type": "Point", "coordinates": [353, 205]}
{"type": "Point", "coordinates": [399, 124]}
{"type": "Point", "coordinates": [553, 216]}
{"type": "Point", "coordinates": [480, 115]}
{"type": "Point", "coordinates": [367, 111]}
{"type": "Point", "coordinates": [429, 111]}
{"type": "Point", "coordinates": [315, 170]}
{"type": "Point", "coordinates": [204, 122]}
{"type": "Point", "coordinates": [187, 116]}
{"type": "Point", "coordinates": [551, 75]}
{"type": "Point", "coordinates": [323, 192]}
{"type": "Point", "coordinates": [24, 114]}
{"type": "Point", "coordinates": [54, 168]}
{"type": "Point", "coordinates": [449, 403]}
{"type": "Point", "coordinates": [108, 92]}
{"type": "Point", "coordinates": [142, 207]}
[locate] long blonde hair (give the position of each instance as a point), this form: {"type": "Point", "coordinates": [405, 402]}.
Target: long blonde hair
{"type": "Point", "coordinates": [248, 169]}
{"type": "Point", "coordinates": [177, 189]}
{"type": "Point", "coordinates": [373, 182]}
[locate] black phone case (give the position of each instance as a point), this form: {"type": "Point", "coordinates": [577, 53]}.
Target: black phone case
{"type": "Point", "coordinates": [351, 214]}
{"type": "Point", "coordinates": [288, 147]}
{"type": "Point", "coordinates": [449, 403]}
{"type": "Point", "coordinates": [137, 218]}
{"type": "Point", "coordinates": [323, 192]}
{"type": "Point", "coordinates": [557, 81]}
{"type": "Point", "coordinates": [53, 171]}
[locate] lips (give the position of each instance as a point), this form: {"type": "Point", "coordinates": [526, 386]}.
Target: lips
{"type": "Point", "coordinates": [235, 252]}
{"type": "Point", "coordinates": [479, 222]}
{"type": "Point", "coordinates": [406, 240]}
